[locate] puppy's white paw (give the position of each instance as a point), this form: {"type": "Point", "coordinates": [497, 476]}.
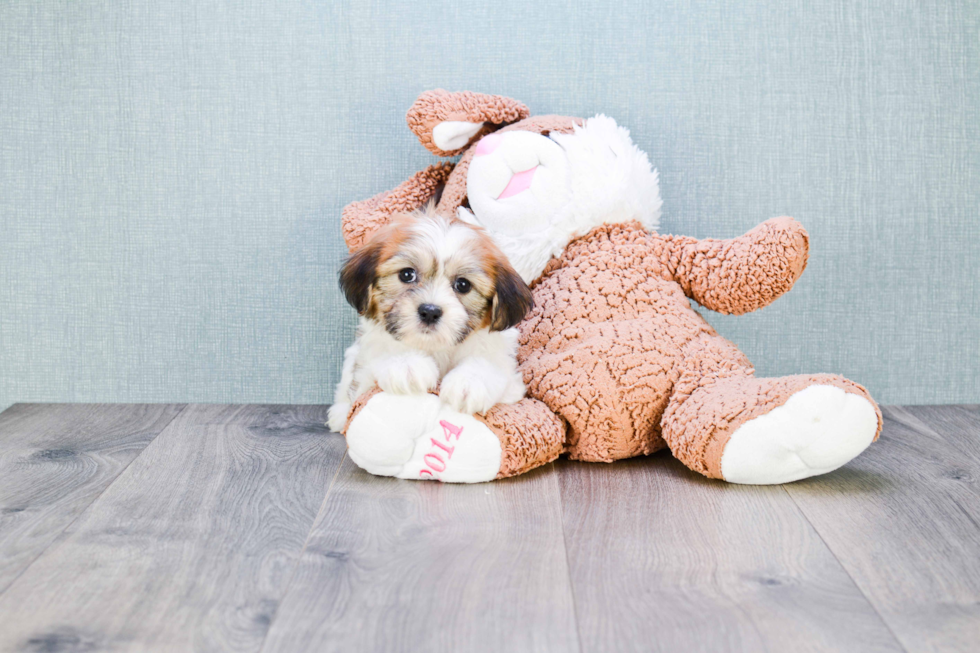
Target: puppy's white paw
{"type": "Point", "coordinates": [408, 374]}
{"type": "Point", "coordinates": [466, 393]}
{"type": "Point", "coordinates": [337, 416]}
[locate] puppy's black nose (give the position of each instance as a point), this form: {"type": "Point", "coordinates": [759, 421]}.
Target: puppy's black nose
{"type": "Point", "coordinates": [429, 313]}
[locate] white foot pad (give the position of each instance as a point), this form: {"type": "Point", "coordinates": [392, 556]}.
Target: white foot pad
{"type": "Point", "coordinates": [819, 429]}
{"type": "Point", "coordinates": [417, 437]}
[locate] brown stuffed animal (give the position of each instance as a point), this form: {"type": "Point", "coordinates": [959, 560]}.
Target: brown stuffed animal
{"type": "Point", "coordinates": [616, 361]}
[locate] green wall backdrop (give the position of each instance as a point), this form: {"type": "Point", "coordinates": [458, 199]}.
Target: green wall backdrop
{"type": "Point", "coordinates": [172, 173]}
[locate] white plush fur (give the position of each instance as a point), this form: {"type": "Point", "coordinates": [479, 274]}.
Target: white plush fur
{"type": "Point", "coordinates": [393, 434]}
{"type": "Point", "coordinates": [817, 430]}
{"type": "Point", "coordinates": [595, 176]}
{"type": "Point", "coordinates": [454, 134]}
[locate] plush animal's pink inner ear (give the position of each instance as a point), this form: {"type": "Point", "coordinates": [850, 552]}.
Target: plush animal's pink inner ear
{"type": "Point", "coordinates": [488, 144]}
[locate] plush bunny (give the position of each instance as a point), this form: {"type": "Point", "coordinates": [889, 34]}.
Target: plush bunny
{"type": "Point", "coordinates": [616, 361]}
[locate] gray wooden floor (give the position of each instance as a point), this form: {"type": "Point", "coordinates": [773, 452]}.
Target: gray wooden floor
{"type": "Point", "coordinates": [245, 528]}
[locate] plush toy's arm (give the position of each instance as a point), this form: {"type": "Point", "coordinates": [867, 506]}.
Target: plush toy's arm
{"type": "Point", "coordinates": [446, 123]}
{"type": "Point", "coordinates": [741, 274]}
{"type": "Point", "coordinates": [360, 220]}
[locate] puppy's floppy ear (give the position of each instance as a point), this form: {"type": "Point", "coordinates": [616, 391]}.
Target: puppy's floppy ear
{"type": "Point", "coordinates": [358, 274]}
{"type": "Point", "coordinates": [512, 299]}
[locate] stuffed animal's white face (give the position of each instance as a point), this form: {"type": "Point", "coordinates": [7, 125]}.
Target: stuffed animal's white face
{"type": "Point", "coordinates": [536, 193]}
{"type": "Point", "coordinates": [517, 181]}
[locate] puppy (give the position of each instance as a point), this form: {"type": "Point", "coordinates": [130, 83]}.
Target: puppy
{"type": "Point", "coordinates": [438, 302]}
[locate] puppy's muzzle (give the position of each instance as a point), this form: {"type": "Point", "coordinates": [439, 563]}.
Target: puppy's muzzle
{"type": "Point", "coordinates": [429, 314]}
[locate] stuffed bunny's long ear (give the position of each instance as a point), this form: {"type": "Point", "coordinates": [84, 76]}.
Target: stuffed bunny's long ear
{"type": "Point", "coordinates": [446, 123]}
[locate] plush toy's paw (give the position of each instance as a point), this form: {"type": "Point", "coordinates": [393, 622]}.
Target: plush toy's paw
{"type": "Point", "coordinates": [416, 437]}
{"type": "Point", "coordinates": [817, 430]}
{"type": "Point", "coordinates": [381, 436]}
{"type": "Point", "coordinates": [466, 393]}
{"type": "Point", "coordinates": [408, 374]}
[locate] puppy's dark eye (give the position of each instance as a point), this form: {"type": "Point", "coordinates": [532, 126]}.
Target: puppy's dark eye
{"type": "Point", "coordinates": [462, 286]}
{"type": "Point", "coordinates": [407, 275]}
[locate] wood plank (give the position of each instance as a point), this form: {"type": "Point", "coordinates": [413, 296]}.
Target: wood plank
{"type": "Point", "coordinates": [408, 566]}
{"type": "Point", "coordinates": [193, 545]}
{"type": "Point", "coordinates": [958, 424]}
{"type": "Point", "coordinates": [662, 559]}
{"type": "Point", "coordinates": [55, 459]}
{"type": "Point", "coordinates": [904, 520]}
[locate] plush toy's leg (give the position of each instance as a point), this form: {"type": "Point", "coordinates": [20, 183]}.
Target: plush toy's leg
{"type": "Point", "coordinates": [727, 424]}
{"type": "Point", "coordinates": [530, 435]}
{"type": "Point", "coordinates": [417, 437]}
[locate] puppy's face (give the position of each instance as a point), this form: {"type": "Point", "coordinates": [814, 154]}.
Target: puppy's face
{"type": "Point", "coordinates": [431, 282]}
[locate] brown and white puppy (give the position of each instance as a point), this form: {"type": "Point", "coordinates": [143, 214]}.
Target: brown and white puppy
{"type": "Point", "coordinates": [438, 302]}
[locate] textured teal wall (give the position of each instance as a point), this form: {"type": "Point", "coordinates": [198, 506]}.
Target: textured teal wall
{"type": "Point", "coordinates": [172, 173]}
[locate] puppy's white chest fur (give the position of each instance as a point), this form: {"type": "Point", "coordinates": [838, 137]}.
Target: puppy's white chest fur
{"type": "Point", "coordinates": [472, 376]}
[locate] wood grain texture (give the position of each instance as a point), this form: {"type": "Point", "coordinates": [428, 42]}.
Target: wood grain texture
{"type": "Point", "coordinates": [408, 566]}
{"type": "Point", "coordinates": [662, 559]}
{"type": "Point", "coordinates": [191, 548]}
{"type": "Point", "coordinates": [55, 459]}
{"type": "Point", "coordinates": [904, 519]}
{"type": "Point", "coordinates": [238, 528]}
{"type": "Point", "coordinates": [959, 427]}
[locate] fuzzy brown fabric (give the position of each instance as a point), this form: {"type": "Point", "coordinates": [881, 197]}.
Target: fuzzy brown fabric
{"type": "Point", "coordinates": [434, 107]}
{"type": "Point", "coordinates": [739, 275]}
{"type": "Point", "coordinates": [612, 331]}
{"type": "Point", "coordinates": [361, 219]}
{"type": "Point", "coordinates": [613, 347]}
{"type": "Point", "coordinates": [708, 407]}
{"type": "Point", "coordinates": [530, 435]}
